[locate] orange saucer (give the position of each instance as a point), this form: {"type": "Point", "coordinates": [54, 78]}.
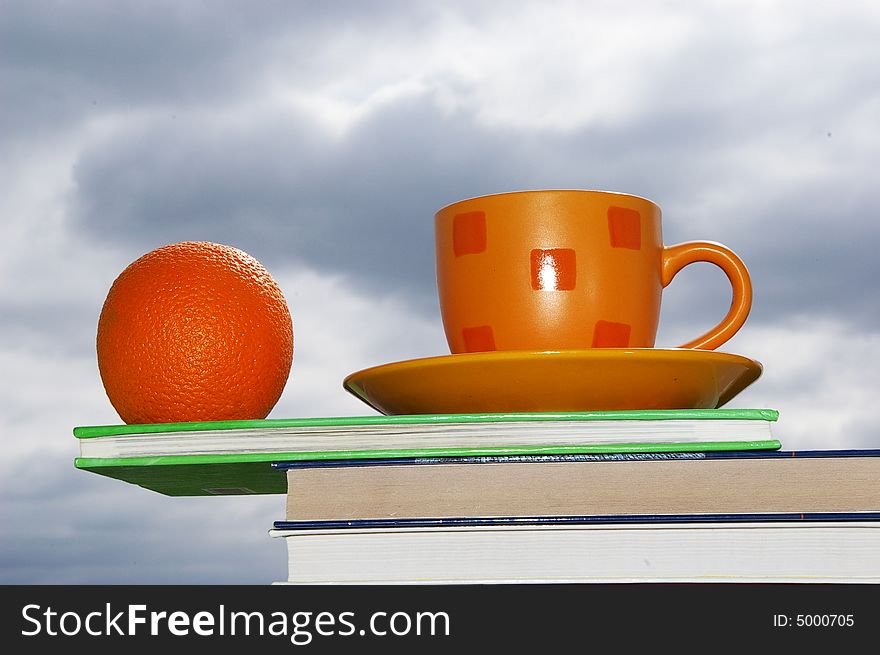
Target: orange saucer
{"type": "Point", "coordinates": [558, 381]}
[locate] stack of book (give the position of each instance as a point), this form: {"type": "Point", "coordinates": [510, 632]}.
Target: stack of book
{"type": "Point", "coordinates": [640, 496]}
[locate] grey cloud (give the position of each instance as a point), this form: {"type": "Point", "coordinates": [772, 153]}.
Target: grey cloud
{"type": "Point", "coordinates": [100, 531]}
{"type": "Point", "coordinates": [55, 328]}
{"type": "Point", "coordinates": [363, 205]}
{"type": "Point", "coordinates": [64, 62]}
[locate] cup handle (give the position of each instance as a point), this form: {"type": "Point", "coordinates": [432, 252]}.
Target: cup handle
{"type": "Point", "coordinates": [677, 257]}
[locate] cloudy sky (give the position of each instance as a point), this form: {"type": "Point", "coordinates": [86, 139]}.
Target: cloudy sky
{"type": "Point", "coordinates": [321, 138]}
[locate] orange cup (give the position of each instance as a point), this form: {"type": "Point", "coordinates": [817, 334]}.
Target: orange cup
{"type": "Point", "coordinates": [560, 270]}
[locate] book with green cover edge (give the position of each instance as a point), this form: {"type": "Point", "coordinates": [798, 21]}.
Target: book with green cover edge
{"type": "Point", "coordinates": [251, 473]}
{"type": "Point", "coordinates": [92, 431]}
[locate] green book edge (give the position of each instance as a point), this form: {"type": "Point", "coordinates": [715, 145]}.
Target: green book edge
{"type": "Point", "coordinates": [252, 473]}
{"type": "Point", "coordinates": [93, 431]}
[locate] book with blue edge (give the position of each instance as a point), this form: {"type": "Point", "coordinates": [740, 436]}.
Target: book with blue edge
{"type": "Point", "coordinates": [830, 548]}
{"type": "Point", "coordinates": [412, 491]}
{"type": "Point", "coordinates": [235, 457]}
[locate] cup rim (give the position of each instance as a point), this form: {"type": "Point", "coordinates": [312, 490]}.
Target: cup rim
{"type": "Point", "coordinates": [538, 191]}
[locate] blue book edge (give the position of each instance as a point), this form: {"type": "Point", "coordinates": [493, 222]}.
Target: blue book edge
{"type": "Point", "coordinates": [490, 522]}
{"type": "Point", "coordinates": [577, 457]}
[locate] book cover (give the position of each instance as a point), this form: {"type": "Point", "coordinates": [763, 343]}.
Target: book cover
{"type": "Point", "coordinates": [746, 548]}
{"type": "Point", "coordinates": [574, 485]}
{"type": "Point", "coordinates": [235, 457]}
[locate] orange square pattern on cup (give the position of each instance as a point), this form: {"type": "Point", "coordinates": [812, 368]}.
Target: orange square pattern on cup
{"type": "Point", "coordinates": [478, 339]}
{"type": "Point", "coordinates": [608, 334]}
{"type": "Point", "coordinates": [552, 270]}
{"type": "Point", "coordinates": [469, 233]}
{"type": "Point", "coordinates": [624, 228]}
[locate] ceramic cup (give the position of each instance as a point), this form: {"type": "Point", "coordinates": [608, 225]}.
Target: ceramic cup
{"type": "Point", "coordinates": [560, 270]}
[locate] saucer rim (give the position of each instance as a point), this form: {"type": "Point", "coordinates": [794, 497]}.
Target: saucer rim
{"type": "Point", "coordinates": [591, 353]}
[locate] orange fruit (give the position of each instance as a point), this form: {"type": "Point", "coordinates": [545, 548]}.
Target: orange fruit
{"type": "Point", "coordinates": [194, 331]}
